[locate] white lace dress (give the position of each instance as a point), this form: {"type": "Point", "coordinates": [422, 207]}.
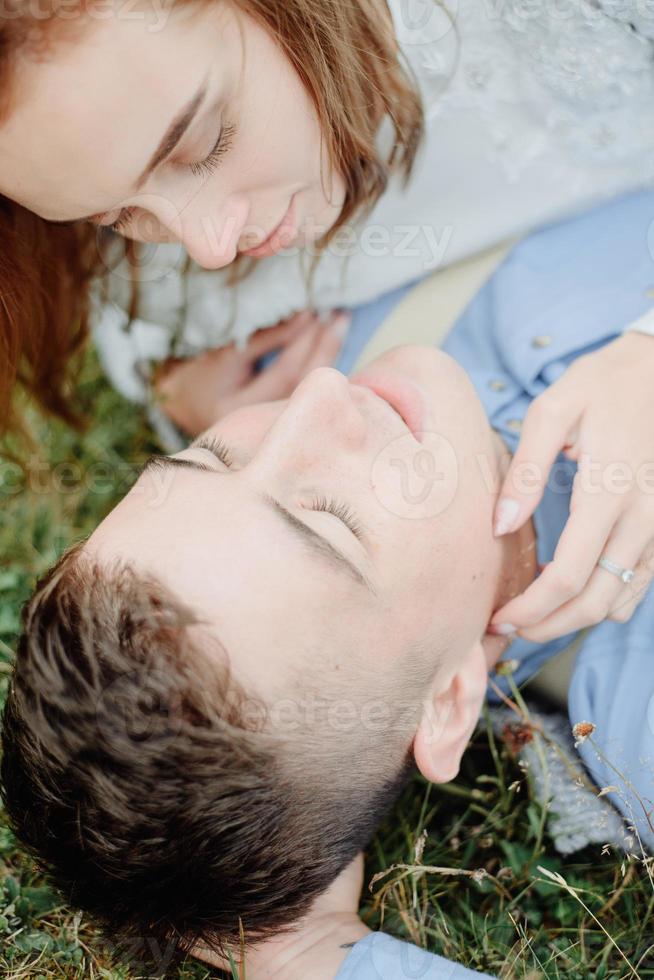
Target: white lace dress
{"type": "Point", "coordinates": [535, 109]}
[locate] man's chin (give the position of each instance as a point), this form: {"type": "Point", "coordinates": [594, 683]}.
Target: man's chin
{"type": "Point", "coordinates": [420, 363]}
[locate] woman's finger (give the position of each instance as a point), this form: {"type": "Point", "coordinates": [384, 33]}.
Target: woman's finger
{"type": "Point", "coordinates": [328, 344]}
{"type": "Point", "coordinates": [632, 594]}
{"type": "Point", "coordinates": [624, 548]}
{"type": "Point", "coordinates": [267, 339]}
{"type": "Point", "coordinates": [580, 545]}
{"type": "Point", "coordinates": [281, 377]}
{"type": "Point", "coordinates": [545, 430]}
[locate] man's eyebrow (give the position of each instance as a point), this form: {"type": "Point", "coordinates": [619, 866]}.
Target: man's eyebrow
{"type": "Point", "coordinates": [321, 546]}
{"type": "Point", "coordinates": [169, 141]}
{"type": "Point", "coordinates": [160, 461]}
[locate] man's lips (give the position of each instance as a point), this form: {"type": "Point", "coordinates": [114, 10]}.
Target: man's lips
{"type": "Point", "coordinates": [279, 238]}
{"type": "Point", "coordinates": [399, 393]}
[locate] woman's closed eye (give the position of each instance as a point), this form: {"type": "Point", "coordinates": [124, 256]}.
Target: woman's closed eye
{"type": "Point", "coordinates": [213, 158]}
{"type": "Point", "coordinates": [207, 166]}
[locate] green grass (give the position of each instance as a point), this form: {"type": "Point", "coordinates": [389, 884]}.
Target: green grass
{"type": "Point", "coordinates": [509, 919]}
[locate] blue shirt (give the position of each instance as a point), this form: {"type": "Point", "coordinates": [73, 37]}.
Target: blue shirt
{"type": "Point", "coordinates": [561, 293]}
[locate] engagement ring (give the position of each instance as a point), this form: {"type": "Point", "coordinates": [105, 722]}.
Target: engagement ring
{"type": "Point", "coordinates": [626, 574]}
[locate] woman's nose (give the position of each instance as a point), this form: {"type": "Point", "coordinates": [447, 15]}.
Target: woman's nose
{"type": "Point", "coordinates": [210, 231]}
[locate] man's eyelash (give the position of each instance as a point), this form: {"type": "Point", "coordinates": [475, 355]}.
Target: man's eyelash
{"type": "Point", "coordinates": [206, 166]}
{"type": "Point", "coordinates": [341, 511]}
{"type": "Point", "coordinates": [215, 446]}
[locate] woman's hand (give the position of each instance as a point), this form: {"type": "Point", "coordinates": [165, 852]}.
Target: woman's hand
{"type": "Point", "coordinates": [194, 393]}
{"type": "Point", "coordinates": [601, 413]}
{"type": "Point", "coordinates": [318, 944]}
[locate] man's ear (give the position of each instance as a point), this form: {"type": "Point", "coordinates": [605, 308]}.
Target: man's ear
{"type": "Point", "coordinates": [450, 713]}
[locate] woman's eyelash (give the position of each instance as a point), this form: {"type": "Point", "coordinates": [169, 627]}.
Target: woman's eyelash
{"type": "Point", "coordinates": [341, 511]}
{"type": "Point", "coordinates": [123, 219]}
{"type": "Point", "coordinates": [210, 162]}
{"type": "Point", "coordinates": [206, 166]}
{"type": "Point", "coordinates": [215, 446]}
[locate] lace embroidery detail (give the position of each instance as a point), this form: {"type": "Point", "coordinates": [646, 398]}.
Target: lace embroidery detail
{"type": "Point", "coordinates": [574, 73]}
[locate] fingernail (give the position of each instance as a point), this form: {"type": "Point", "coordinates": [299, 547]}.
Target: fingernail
{"type": "Point", "coordinates": [506, 513]}
{"type": "Point", "coordinates": [501, 629]}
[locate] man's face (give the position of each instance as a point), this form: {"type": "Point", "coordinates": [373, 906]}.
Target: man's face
{"type": "Point", "coordinates": [401, 573]}
{"type": "Point", "coordinates": [89, 117]}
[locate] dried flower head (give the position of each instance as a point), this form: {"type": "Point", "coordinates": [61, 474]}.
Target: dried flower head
{"type": "Point", "coordinates": [581, 731]}
{"type": "Point", "coordinates": [516, 735]}
{"type": "Point", "coordinates": [419, 847]}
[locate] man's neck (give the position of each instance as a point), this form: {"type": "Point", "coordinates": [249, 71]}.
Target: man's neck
{"type": "Point", "coordinates": [518, 569]}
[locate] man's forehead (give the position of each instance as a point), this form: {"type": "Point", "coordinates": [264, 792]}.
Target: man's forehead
{"type": "Point", "coordinates": [226, 556]}
{"type": "Point", "coordinates": [216, 544]}
{"type": "Point", "coordinates": [172, 509]}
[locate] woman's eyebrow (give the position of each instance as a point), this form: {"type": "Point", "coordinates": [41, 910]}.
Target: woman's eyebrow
{"type": "Point", "coordinates": [175, 131]}
{"type": "Point", "coordinates": [169, 141]}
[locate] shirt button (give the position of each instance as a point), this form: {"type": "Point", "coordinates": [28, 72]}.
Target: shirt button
{"type": "Point", "coordinates": [514, 424]}
{"type": "Point", "coordinates": [496, 385]}
{"type": "Point", "coordinates": [542, 340]}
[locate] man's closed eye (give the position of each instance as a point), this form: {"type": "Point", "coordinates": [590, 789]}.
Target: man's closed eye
{"type": "Point", "coordinates": [344, 514]}
{"type": "Point", "coordinates": [216, 446]}
{"type": "Point", "coordinates": [341, 511]}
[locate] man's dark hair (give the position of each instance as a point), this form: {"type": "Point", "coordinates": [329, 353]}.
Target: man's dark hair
{"type": "Point", "coordinates": [136, 771]}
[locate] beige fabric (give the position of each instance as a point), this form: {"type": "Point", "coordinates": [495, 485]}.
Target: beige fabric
{"type": "Point", "coordinates": [425, 316]}
{"type": "Point", "coordinates": [427, 312]}
{"type": "Point", "coordinates": [553, 678]}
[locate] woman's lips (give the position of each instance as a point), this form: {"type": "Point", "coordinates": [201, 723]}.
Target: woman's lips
{"type": "Point", "coordinates": [281, 237]}
{"type": "Point", "coordinates": [403, 396]}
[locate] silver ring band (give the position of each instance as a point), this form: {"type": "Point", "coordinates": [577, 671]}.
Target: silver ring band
{"type": "Point", "coordinates": [626, 574]}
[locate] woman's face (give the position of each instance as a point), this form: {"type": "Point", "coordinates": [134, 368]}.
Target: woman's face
{"type": "Point", "coordinates": [82, 141]}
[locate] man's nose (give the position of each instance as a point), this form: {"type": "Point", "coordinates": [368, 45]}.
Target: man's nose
{"type": "Point", "coordinates": [320, 418]}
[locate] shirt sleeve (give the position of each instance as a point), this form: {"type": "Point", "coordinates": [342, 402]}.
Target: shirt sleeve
{"type": "Point", "coordinates": [381, 957]}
